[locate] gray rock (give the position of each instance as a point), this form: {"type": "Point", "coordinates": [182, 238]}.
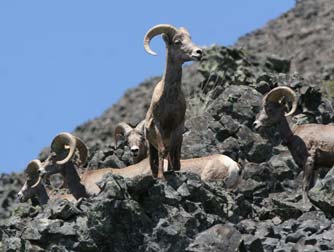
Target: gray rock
{"type": "Point", "coordinates": [252, 243]}
{"type": "Point", "coordinates": [12, 244]}
{"type": "Point", "coordinates": [295, 237]}
{"type": "Point", "coordinates": [217, 238]}
{"type": "Point", "coordinates": [322, 194]}
{"type": "Point", "coordinates": [269, 244]}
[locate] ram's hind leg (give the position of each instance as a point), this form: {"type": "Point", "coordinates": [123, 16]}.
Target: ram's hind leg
{"type": "Point", "coordinates": [174, 161]}
{"type": "Point", "coordinates": [308, 174]}
{"type": "Point", "coordinates": [154, 160]}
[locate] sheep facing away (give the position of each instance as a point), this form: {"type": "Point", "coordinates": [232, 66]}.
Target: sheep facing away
{"type": "Point", "coordinates": [210, 168]}
{"type": "Point", "coordinates": [311, 145]}
{"type": "Point", "coordinates": [164, 122]}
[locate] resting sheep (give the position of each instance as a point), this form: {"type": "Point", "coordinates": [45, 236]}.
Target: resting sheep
{"type": "Point", "coordinates": [61, 160]}
{"type": "Point", "coordinates": [135, 139]}
{"type": "Point", "coordinates": [311, 145]}
{"type": "Point", "coordinates": [213, 167]}
{"type": "Point", "coordinates": [164, 123]}
{"type": "Point", "coordinates": [33, 188]}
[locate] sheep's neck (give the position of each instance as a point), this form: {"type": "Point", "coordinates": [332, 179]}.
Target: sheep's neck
{"type": "Point", "coordinates": [173, 73]}
{"type": "Point", "coordinates": [73, 181]}
{"type": "Point", "coordinates": [285, 132]}
{"type": "Point", "coordinates": [43, 197]}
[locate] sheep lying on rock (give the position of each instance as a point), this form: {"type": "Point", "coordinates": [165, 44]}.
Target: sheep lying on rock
{"type": "Point", "coordinates": [33, 188]}
{"type": "Point", "coordinates": [210, 168]}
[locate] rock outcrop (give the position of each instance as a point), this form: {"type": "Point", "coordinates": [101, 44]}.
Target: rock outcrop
{"type": "Point", "coordinates": [183, 213]}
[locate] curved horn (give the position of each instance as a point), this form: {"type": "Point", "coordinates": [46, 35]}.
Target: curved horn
{"type": "Point", "coordinates": [32, 171]}
{"type": "Point", "coordinates": [156, 30]}
{"type": "Point", "coordinates": [140, 126]}
{"type": "Point", "coordinates": [121, 129]}
{"type": "Point", "coordinates": [33, 167]}
{"type": "Point", "coordinates": [83, 150]}
{"type": "Point", "coordinates": [64, 141]}
{"type": "Point", "coordinates": [37, 183]}
{"type": "Point", "coordinates": [278, 93]}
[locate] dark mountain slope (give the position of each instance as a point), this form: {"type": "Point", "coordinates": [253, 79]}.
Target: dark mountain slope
{"type": "Point", "coordinates": [305, 35]}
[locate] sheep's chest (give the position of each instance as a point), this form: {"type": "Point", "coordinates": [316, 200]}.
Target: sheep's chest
{"type": "Point", "coordinates": [170, 110]}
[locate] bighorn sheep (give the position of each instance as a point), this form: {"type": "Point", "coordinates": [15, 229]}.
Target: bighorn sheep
{"type": "Point", "coordinates": [311, 145]}
{"type": "Point", "coordinates": [213, 167]}
{"type": "Point", "coordinates": [135, 139]}
{"type": "Point", "coordinates": [34, 188]}
{"type": "Point", "coordinates": [209, 168]}
{"type": "Point", "coordinates": [164, 121]}
{"type": "Point", "coordinates": [60, 160]}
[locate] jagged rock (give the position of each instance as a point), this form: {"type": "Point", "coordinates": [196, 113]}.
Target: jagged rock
{"type": "Point", "coordinates": [229, 147]}
{"type": "Point", "coordinates": [9, 187]}
{"type": "Point", "coordinates": [285, 208]}
{"type": "Point", "coordinates": [217, 238]}
{"type": "Point", "coordinates": [246, 226]}
{"type": "Point", "coordinates": [252, 243]}
{"type": "Point", "coordinates": [62, 209]}
{"type": "Point", "coordinates": [249, 188]}
{"type": "Point", "coordinates": [240, 102]}
{"type": "Point", "coordinates": [283, 167]}
{"type": "Point", "coordinates": [295, 237]}
{"type": "Point", "coordinates": [269, 244]}
{"type": "Point", "coordinates": [258, 172]}
{"type": "Point", "coordinates": [322, 194]}
{"type": "Point", "coordinates": [198, 138]}
{"type": "Point", "coordinates": [12, 244]}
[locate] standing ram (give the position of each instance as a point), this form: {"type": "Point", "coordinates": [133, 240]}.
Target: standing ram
{"type": "Point", "coordinates": [165, 117]}
{"type": "Point", "coordinates": [311, 145]}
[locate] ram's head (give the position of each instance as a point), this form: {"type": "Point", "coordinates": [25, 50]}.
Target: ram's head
{"type": "Point", "coordinates": [275, 107]}
{"type": "Point", "coordinates": [134, 138]}
{"type": "Point", "coordinates": [63, 149]}
{"type": "Point", "coordinates": [178, 43]}
{"type": "Point", "coordinates": [33, 184]}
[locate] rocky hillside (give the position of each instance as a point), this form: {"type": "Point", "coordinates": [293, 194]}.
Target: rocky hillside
{"type": "Point", "coordinates": [224, 93]}
{"type": "Point", "coordinates": [303, 35]}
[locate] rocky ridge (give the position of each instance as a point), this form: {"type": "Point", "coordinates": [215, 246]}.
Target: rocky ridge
{"type": "Point", "coordinates": [303, 35]}
{"type": "Point", "coordinates": [266, 213]}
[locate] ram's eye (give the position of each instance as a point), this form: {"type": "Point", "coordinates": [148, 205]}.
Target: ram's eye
{"type": "Point", "coordinates": [177, 42]}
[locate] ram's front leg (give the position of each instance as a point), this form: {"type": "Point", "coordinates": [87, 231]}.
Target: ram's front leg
{"type": "Point", "coordinates": [308, 174]}
{"type": "Point", "coordinates": [162, 152]}
{"type": "Point", "coordinates": [161, 166]}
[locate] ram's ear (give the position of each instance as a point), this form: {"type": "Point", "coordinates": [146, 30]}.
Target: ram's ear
{"type": "Point", "coordinates": [141, 127]}
{"type": "Point", "coordinates": [121, 130]}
